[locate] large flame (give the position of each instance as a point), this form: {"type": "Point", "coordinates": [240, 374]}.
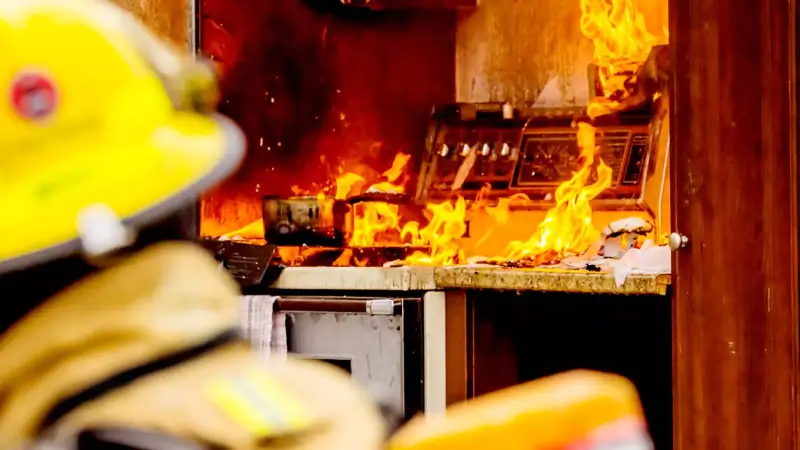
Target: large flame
{"type": "Point", "coordinates": [567, 227]}
{"type": "Point", "coordinates": [622, 41]}
{"type": "Point", "coordinates": [447, 223]}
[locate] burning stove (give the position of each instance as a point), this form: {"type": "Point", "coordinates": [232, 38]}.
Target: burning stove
{"type": "Point", "coordinates": [492, 151]}
{"type": "Point", "coordinates": [532, 153]}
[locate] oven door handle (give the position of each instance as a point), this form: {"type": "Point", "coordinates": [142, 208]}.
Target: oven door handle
{"type": "Point", "coordinates": [375, 307]}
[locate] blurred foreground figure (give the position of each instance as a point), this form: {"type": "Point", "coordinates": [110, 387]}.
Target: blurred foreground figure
{"type": "Point", "coordinates": [578, 410]}
{"type": "Point", "coordinates": [113, 332]}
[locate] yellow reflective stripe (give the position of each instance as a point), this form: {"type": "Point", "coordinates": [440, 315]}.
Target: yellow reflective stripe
{"type": "Point", "coordinates": [294, 414]}
{"type": "Point", "coordinates": [260, 404]}
{"type": "Point", "coordinates": [239, 410]}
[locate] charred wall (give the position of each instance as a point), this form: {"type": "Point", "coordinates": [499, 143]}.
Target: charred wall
{"type": "Point", "coordinates": [508, 50]}
{"type": "Point", "coordinates": [316, 87]}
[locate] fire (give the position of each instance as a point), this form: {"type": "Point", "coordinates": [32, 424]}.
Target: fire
{"type": "Point", "coordinates": [567, 228]}
{"type": "Point", "coordinates": [345, 184]}
{"type": "Point", "coordinates": [378, 223]}
{"type": "Point", "coordinates": [447, 223]}
{"type": "Point", "coordinates": [622, 43]}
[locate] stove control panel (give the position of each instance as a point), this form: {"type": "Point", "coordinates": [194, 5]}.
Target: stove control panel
{"type": "Point", "coordinates": [531, 153]}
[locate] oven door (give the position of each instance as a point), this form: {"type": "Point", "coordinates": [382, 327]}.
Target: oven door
{"type": "Point", "coordinates": [377, 340]}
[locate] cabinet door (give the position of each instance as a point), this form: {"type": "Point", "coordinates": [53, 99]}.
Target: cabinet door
{"type": "Point", "coordinates": [734, 191]}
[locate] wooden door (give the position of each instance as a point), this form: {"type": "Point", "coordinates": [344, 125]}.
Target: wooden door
{"type": "Point", "coordinates": [735, 299]}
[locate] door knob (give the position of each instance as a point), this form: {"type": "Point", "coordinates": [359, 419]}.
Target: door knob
{"type": "Point", "coordinates": [677, 241]}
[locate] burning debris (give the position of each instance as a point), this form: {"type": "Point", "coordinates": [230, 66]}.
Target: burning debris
{"type": "Point", "coordinates": [622, 43]}
{"type": "Point", "coordinates": [622, 235]}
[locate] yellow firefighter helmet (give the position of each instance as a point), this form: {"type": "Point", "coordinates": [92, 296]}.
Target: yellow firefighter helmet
{"type": "Point", "coordinates": [98, 111]}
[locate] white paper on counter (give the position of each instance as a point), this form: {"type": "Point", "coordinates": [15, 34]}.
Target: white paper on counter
{"type": "Point", "coordinates": [649, 259]}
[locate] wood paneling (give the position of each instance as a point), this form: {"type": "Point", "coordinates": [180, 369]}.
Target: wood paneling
{"type": "Point", "coordinates": [169, 18]}
{"type": "Point", "coordinates": [735, 315]}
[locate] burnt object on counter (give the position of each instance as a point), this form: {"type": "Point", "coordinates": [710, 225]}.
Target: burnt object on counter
{"type": "Point", "coordinates": [248, 264]}
{"type": "Point", "coordinates": [650, 81]}
{"type": "Point", "coordinates": [311, 221]}
{"type": "Point", "coordinates": [315, 221]}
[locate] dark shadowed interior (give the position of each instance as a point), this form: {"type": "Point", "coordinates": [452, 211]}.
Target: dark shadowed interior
{"type": "Point", "coordinates": [317, 87]}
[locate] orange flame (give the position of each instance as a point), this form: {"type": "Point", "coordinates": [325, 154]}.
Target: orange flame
{"type": "Point", "coordinates": [345, 184]}
{"type": "Point", "coordinates": [447, 223]}
{"type": "Point", "coordinates": [567, 227]}
{"type": "Point", "coordinates": [622, 42]}
{"type": "Point", "coordinates": [378, 223]}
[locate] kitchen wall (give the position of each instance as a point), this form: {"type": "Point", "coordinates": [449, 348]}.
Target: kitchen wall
{"type": "Point", "coordinates": [514, 50]}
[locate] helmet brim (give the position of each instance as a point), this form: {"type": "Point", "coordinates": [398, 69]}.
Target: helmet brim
{"type": "Point", "coordinates": [142, 181]}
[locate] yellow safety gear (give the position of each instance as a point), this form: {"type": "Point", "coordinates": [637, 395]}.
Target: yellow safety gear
{"type": "Point", "coordinates": [98, 111]}
{"type": "Point", "coordinates": [573, 410]}
{"type": "Point", "coordinates": [155, 304]}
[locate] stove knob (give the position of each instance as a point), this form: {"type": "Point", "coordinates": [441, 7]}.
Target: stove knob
{"type": "Point", "coordinates": [486, 150]}
{"type": "Point", "coordinates": [505, 150]}
{"type": "Point", "coordinates": [465, 149]}
{"type": "Point", "coordinates": [444, 150]}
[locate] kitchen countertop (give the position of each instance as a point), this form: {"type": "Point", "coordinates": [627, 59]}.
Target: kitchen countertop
{"type": "Point", "coordinates": [466, 277]}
